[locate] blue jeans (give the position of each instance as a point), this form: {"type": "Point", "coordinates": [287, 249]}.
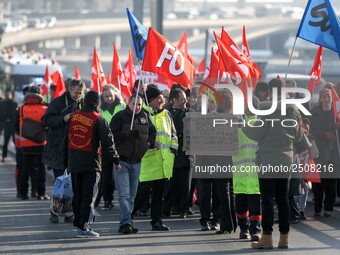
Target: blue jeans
{"type": "Point", "coordinates": [126, 181]}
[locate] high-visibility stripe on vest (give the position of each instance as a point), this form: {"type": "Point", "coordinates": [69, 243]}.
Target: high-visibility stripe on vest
{"type": "Point", "coordinates": [34, 112]}
{"type": "Point", "coordinates": [81, 130]}
{"type": "Point", "coordinates": [158, 164]}
{"type": "Point", "coordinates": [108, 116]}
{"type": "Point", "coordinates": [245, 182]}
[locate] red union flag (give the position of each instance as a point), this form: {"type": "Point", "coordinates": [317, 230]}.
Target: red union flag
{"type": "Point", "coordinates": [230, 63]}
{"type": "Point", "coordinates": [164, 58]}
{"type": "Point", "coordinates": [77, 73]}
{"type": "Point", "coordinates": [316, 71]}
{"type": "Point", "coordinates": [183, 44]}
{"type": "Point", "coordinates": [45, 87]}
{"type": "Point", "coordinates": [98, 80]}
{"type": "Point", "coordinates": [129, 71]}
{"type": "Point", "coordinates": [245, 46]}
{"type": "Point", "coordinates": [117, 77]}
{"type": "Point", "coordinates": [201, 66]}
{"type": "Point", "coordinates": [60, 86]}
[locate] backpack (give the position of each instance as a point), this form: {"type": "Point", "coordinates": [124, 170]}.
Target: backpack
{"type": "Point", "coordinates": [32, 130]}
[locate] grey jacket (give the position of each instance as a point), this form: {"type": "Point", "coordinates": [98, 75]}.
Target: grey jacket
{"type": "Point", "coordinates": [275, 141]}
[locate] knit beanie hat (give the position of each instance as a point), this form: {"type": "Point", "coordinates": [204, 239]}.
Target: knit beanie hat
{"type": "Point", "coordinates": [152, 92]}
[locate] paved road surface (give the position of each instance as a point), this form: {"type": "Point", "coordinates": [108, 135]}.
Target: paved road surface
{"type": "Point", "coordinates": [25, 229]}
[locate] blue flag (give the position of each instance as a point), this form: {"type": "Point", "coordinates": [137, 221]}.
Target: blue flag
{"type": "Point", "coordinates": [320, 25]}
{"type": "Point", "coordinates": [139, 35]}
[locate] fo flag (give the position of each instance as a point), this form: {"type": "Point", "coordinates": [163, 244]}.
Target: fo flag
{"type": "Point", "coordinates": [320, 25]}
{"type": "Point", "coordinates": [139, 35]}
{"type": "Point", "coordinates": [164, 58]}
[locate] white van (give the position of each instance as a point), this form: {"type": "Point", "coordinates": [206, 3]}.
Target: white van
{"type": "Point", "coordinates": [24, 68]}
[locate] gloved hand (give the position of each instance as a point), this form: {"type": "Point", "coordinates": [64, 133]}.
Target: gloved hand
{"type": "Point", "coordinates": [133, 134]}
{"type": "Point", "coordinates": [330, 137]}
{"type": "Point", "coordinates": [174, 151]}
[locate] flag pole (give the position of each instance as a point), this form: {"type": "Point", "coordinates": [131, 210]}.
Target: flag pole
{"type": "Point", "coordinates": [290, 58]}
{"type": "Point", "coordinates": [144, 90]}
{"type": "Point", "coordinates": [337, 137]}
{"type": "Point", "coordinates": [314, 81]}
{"type": "Point", "coordinates": [135, 105]}
{"type": "Point", "coordinates": [48, 93]}
{"type": "Point", "coordinates": [120, 91]}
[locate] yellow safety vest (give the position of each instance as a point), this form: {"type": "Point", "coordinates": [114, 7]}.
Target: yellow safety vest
{"type": "Point", "coordinates": [245, 182]}
{"type": "Point", "coordinates": [158, 164]}
{"type": "Point", "coordinates": [108, 116]}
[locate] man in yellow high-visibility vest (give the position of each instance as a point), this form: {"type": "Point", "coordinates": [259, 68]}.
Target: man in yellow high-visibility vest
{"type": "Point", "coordinates": [157, 164]}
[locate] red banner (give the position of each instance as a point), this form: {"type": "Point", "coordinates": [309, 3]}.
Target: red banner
{"type": "Point", "coordinates": [163, 58]}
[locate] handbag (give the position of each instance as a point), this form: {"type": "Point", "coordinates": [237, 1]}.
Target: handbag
{"type": "Point", "coordinates": [33, 130]}
{"type": "Point", "coordinates": [62, 196]}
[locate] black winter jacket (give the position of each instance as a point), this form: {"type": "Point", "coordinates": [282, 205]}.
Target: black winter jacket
{"type": "Point", "coordinates": [132, 149]}
{"type": "Point", "coordinates": [54, 121]}
{"type": "Point", "coordinates": [102, 144]}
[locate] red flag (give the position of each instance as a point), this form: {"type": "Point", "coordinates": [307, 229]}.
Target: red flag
{"type": "Point", "coordinates": [77, 73]}
{"type": "Point", "coordinates": [117, 77]}
{"type": "Point", "coordinates": [245, 46]}
{"type": "Point", "coordinates": [108, 78]}
{"type": "Point", "coordinates": [182, 43]}
{"type": "Point", "coordinates": [232, 47]}
{"type": "Point", "coordinates": [98, 80]}
{"type": "Point", "coordinates": [129, 71]}
{"type": "Point", "coordinates": [213, 68]}
{"type": "Point", "coordinates": [252, 70]}
{"type": "Point", "coordinates": [47, 82]}
{"type": "Point", "coordinates": [183, 46]}
{"type": "Point", "coordinates": [306, 160]}
{"type": "Point", "coordinates": [316, 71]}
{"type": "Point", "coordinates": [229, 61]}
{"type": "Point", "coordinates": [163, 58]}
{"type": "Point", "coordinates": [60, 86]}
{"type": "Point", "coordinates": [201, 66]}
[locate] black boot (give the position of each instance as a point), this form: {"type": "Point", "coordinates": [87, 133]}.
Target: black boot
{"type": "Point", "coordinates": [159, 226]}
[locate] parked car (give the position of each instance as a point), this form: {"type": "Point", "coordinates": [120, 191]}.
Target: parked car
{"type": "Point", "coordinates": [6, 26]}
{"type": "Point", "coordinates": [33, 22]}
{"type": "Point", "coordinates": [51, 21]}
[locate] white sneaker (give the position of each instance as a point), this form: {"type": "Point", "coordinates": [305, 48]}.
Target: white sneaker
{"type": "Point", "coordinates": [87, 233]}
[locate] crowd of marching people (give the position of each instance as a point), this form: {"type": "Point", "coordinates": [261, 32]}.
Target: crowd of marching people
{"type": "Point", "coordinates": [133, 149]}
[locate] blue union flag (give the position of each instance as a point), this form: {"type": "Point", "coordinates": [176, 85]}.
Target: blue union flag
{"type": "Point", "coordinates": [139, 35]}
{"type": "Point", "coordinates": [320, 25]}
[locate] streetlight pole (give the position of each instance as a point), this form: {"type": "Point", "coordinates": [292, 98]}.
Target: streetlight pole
{"type": "Point", "coordinates": [157, 15]}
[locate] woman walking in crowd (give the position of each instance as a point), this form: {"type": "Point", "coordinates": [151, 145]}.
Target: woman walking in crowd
{"type": "Point", "coordinates": [323, 128]}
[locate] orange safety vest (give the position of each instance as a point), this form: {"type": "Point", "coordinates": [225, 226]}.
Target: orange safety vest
{"type": "Point", "coordinates": [34, 112]}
